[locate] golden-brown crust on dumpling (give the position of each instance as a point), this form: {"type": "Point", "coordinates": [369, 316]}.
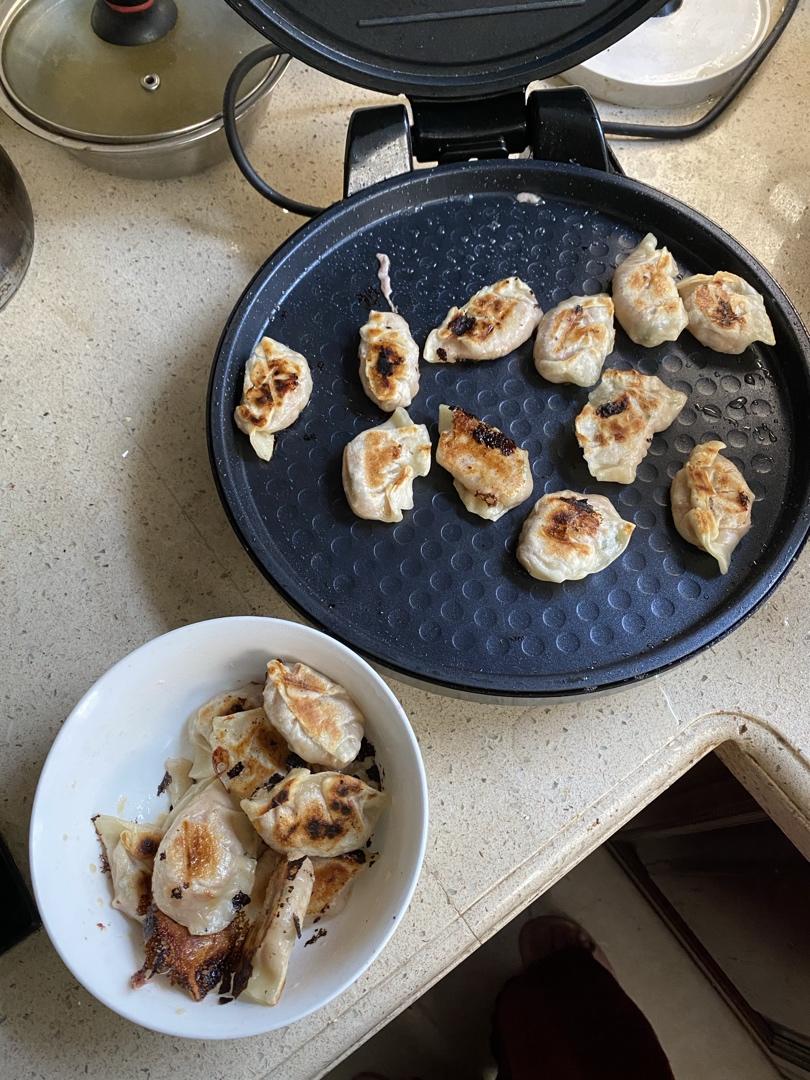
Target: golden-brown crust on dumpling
{"type": "Point", "coordinates": [618, 422]}
{"type": "Point", "coordinates": [317, 717]}
{"type": "Point", "coordinates": [277, 387]}
{"type": "Point", "coordinates": [380, 465]}
{"type": "Point", "coordinates": [484, 461]}
{"type": "Point", "coordinates": [493, 322]}
{"type": "Point", "coordinates": [725, 312]}
{"type": "Point", "coordinates": [195, 963]}
{"type": "Point", "coordinates": [711, 502]}
{"type": "Point", "coordinates": [568, 536]}
{"type": "Point", "coordinates": [331, 878]}
{"type": "Point", "coordinates": [389, 361]}
{"type": "Point", "coordinates": [247, 751]}
{"type": "Point", "coordinates": [320, 814]}
{"type": "Point", "coordinates": [571, 522]}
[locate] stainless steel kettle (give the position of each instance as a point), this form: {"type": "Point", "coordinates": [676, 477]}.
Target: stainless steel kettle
{"type": "Point", "coordinates": [16, 229]}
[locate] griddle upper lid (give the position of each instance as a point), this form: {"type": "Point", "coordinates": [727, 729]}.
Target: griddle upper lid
{"type": "Point", "coordinates": [444, 48]}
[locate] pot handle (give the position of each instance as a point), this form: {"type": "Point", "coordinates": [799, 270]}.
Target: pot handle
{"type": "Point", "coordinates": [246, 64]}
{"type": "Point", "coordinates": [133, 22]}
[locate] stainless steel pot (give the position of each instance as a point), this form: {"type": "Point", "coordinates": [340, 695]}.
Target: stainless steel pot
{"type": "Point", "coordinates": [148, 111]}
{"type": "Point", "coordinates": [16, 229]}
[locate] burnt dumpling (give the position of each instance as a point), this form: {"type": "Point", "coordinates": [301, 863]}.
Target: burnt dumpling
{"type": "Point", "coordinates": [568, 536]}
{"type": "Point", "coordinates": [315, 716]}
{"type": "Point", "coordinates": [389, 361]}
{"type": "Point", "coordinates": [491, 473]}
{"type": "Point", "coordinates": [574, 339]}
{"type": "Point", "coordinates": [380, 465]}
{"type": "Point", "coordinates": [725, 313]}
{"type": "Point", "coordinates": [315, 814]}
{"type": "Point", "coordinates": [617, 425]}
{"type": "Point", "coordinates": [711, 502]}
{"type": "Point", "coordinates": [646, 297]}
{"type": "Point", "coordinates": [493, 322]}
{"type": "Point", "coordinates": [276, 389]}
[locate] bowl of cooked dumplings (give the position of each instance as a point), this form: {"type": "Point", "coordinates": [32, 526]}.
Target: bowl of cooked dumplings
{"type": "Point", "coordinates": [228, 828]}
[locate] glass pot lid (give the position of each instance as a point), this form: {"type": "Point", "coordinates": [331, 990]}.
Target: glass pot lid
{"type": "Point", "coordinates": [63, 75]}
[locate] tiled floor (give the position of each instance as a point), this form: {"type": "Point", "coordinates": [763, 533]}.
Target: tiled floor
{"type": "Point", "coordinates": [445, 1035]}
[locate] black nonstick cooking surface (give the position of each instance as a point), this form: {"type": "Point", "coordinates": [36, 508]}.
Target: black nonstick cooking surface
{"type": "Point", "coordinates": [441, 597]}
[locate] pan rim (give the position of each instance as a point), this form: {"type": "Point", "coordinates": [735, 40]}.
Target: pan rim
{"type": "Point", "coordinates": [542, 687]}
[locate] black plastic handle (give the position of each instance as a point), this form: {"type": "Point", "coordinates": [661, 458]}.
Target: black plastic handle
{"type": "Point", "coordinates": [246, 64]}
{"type": "Point", "coordinates": [133, 22]}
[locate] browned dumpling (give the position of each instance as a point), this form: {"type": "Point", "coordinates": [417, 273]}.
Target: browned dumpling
{"type": "Point", "coordinates": [201, 723]}
{"type": "Point", "coordinates": [262, 970]}
{"type": "Point", "coordinates": [315, 814]}
{"type": "Point", "coordinates": [568, 536]}
{"type": "Point", "coordinates": [617, 425]}
{"type": "Point", "coordinates": [332, 880]}
{"type": "Point", "coordinates": [573, 340]}
{"type": "Point", "coordinates": [725, 313]}
{"type": "Point", "coordinates": [491, 324]}
{"type": "Point", "coordinates": [247, 751]}
{"type": "Point", "coordinates": [711, 502]}
{"type": "Point", "coordinates": [389, 361]}
{"type": "Point", "coordinates": [205, 859]}
{"type": "Point", "coordinates": [645, 295]}
{"type": "Point", "coordinates": [276, 389]}
{"type": "Point", "coordinates": [194, 962]}
{"type": "Point", "coordinates": [129, 849]}
{"type": "Point", "coordinates": [380, 465]}
{"type": "Point", "coordinates": [490, 472]}
{"type": "Point", "coordinates": [316, 717]}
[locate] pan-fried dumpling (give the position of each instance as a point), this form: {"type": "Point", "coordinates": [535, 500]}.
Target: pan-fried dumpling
{"type": "Point", "coordinates": [247, 751]}
{"type": "Point", "coordinates": [491, 324]}
{"type": "Point", "coordinates": [332, 880]}
{"type": "Point", "coordinates": [617, 425]}
{"type": "Point", "coordinates": [200, 724]}
{"type": "Point", "coordinates": [206, 862]}
{"type": "Point", "coordinates": [195, 963]}
{"type": "Point", "coordinates": [380, 464]}
{"type": "Point", "coordinates": [262, 969]}
{"type": "Point", "coordinates": [711, 502]}
{"type": "Point", "coordinates": [276, 389]}
{"type": "Point", "coordinates": [176, 779]}
{"type": "Point", "coordinates": [315, 814]}
{"type": "Point", "coordinates": [568, 536]}
{"type": "Point", "coordinates": [645, 295]}
{"type": "Point", "coordinates": [315, 716]}
{"type": "Point", "coordinates": [574, 339]}
{"type": "Point", "coordinates": [490, 472]}
{"type": "Point", "coordinates": [129, 849]}
{"type": "Point", "coordinates": [725, 313]}
{"type": "Point", "coordinates": [389, 361]}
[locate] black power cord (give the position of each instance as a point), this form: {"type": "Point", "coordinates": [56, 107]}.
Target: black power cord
{"type": "Point", "coordinates": [246, 64]}
{"type": "Point", "coordinates": [684, 131]}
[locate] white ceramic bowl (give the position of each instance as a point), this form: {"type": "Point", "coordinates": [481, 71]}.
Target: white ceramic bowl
{"type": "Point", "coordinates": [109, 757]}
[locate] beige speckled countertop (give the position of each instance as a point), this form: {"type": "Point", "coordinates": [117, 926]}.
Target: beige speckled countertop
{"type": "Point", "coordinates": [112, 534]}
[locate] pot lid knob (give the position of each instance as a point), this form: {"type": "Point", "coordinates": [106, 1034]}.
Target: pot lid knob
{"type": "Point", "coordinates": [133, 22]}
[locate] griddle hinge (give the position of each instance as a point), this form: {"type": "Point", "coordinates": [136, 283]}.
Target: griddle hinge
{"type": "Point", "coordinates": [555, 124]}
{"type": "Point", "coordinates": [446, 131]}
